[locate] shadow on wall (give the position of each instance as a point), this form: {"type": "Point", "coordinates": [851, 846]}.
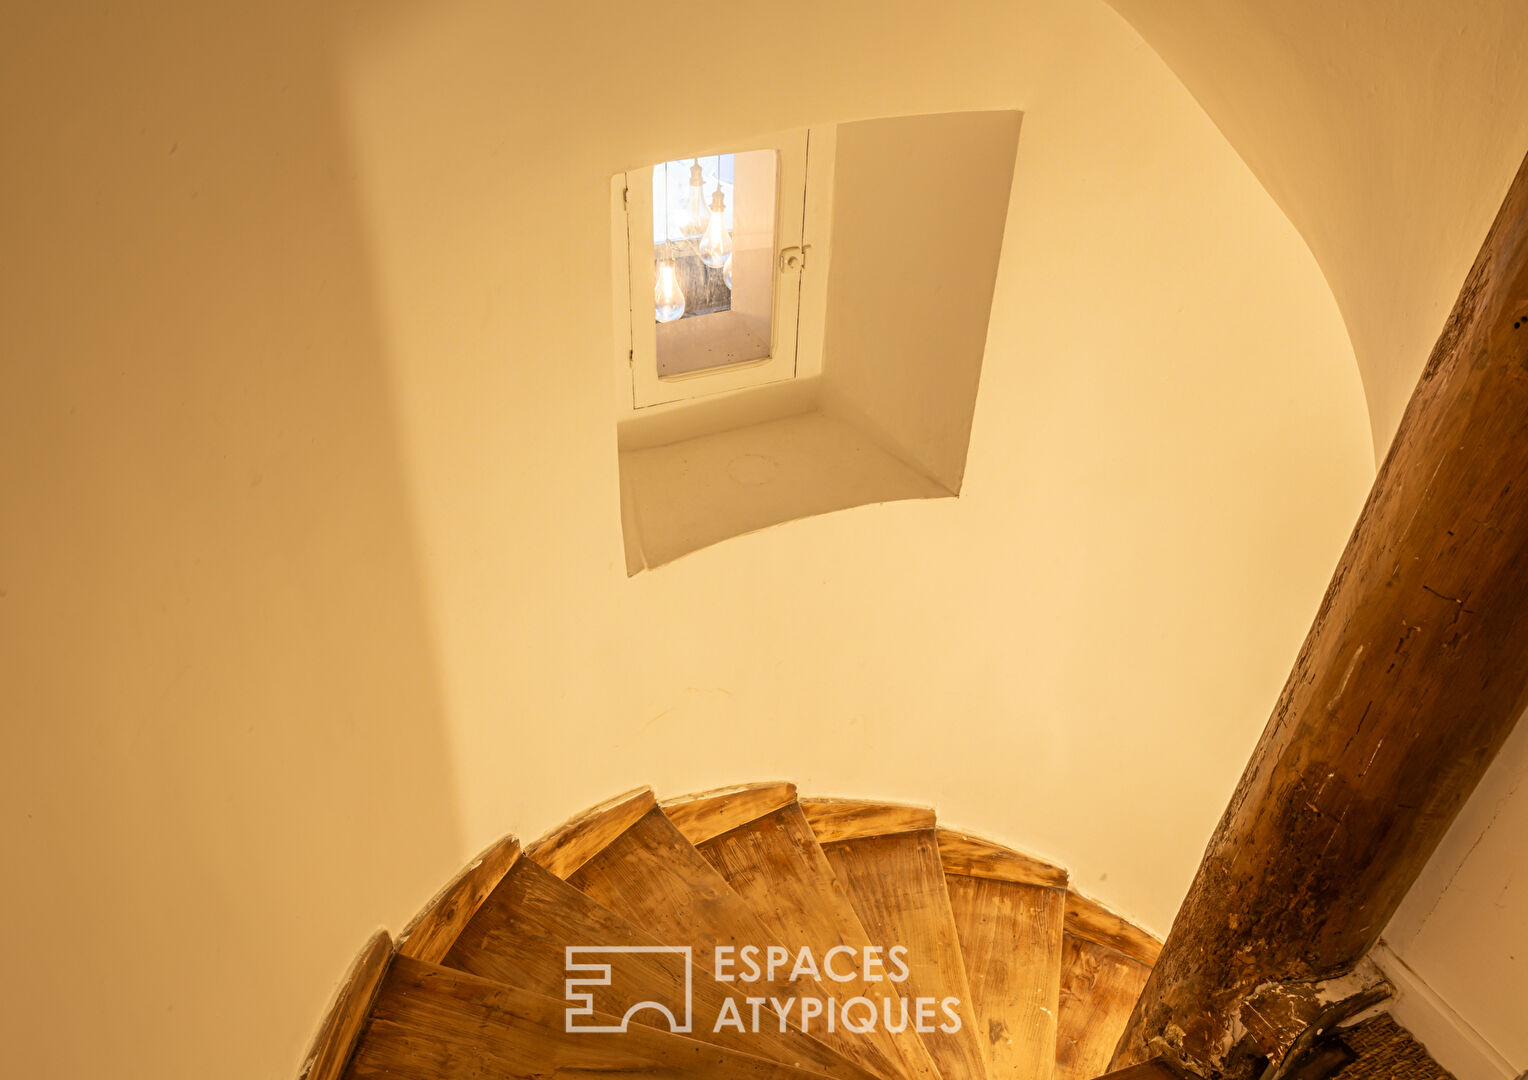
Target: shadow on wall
{"type": "Point", "coordinates": [226, 758]}
{"type": "Point", "coordinates": [1388, 133]}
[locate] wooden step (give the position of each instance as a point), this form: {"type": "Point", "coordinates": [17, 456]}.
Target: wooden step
{"type": "Point", "coordinates": [710, 813]}
{"type": "Point", "coordinates": [1103, 970]}
{"type": "Point", "coordinates": [1010, 913]}
{"type": "Point", "coordinates": [430, 936]}
{"type": "Point", "coordinates": [758, 839]}
{"type": "Point", "coordinates": [1088, 919]}
{"type": "Point", "coordinates": [886, 859]}
{"type": "Point", "coordinates": [342, 1024]}
{"type": "Point", "coordinates": [569, 846]}
{"type": "Point", "coordinates": [520, 937]}
{"type": "Point", "coordinates": [654, 878]}
{"type": "Point", "coordinates": [435, 1023]}
{"type": "Point", "coordinates": [846, 819]}
{"type": "Point", "coordinates": [974, 856]}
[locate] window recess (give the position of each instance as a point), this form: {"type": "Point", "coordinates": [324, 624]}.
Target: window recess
{"type": "Point", "coordinates": [836, 362]}
{"type": "Point", "coordinates": [715, 254]}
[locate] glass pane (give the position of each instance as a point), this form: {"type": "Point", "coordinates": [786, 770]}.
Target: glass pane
{"type": "Point", "coordinates": [714, 257]}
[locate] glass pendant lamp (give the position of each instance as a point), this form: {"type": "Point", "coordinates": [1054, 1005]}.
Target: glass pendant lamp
{"type": "Point", "coordinates": [716, 244]}
{"type": "Point", "coordinates": [668, 297]}
{"type": "Point", "coordinates": [693, 214]}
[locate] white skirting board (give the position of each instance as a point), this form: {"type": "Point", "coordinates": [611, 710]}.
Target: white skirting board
{"type": "Point", "coordinates": [1449, 1038]}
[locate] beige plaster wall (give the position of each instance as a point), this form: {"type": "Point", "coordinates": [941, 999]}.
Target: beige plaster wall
{"type": "Point", "coordinates": [1388, 131]}
{"type": "Point", "coordinates": [311, 580]}
{"type": "Point", "coordinates": [225, 752]}
{"type": "Point", "coordinates": [1169, 449]}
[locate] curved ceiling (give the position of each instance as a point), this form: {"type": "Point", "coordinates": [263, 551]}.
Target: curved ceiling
{"type": "Point", "coordinates": [1388, 132]}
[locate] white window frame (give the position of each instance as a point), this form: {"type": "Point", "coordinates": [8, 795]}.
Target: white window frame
{"type": "Point", "coordinates": [802, 197]}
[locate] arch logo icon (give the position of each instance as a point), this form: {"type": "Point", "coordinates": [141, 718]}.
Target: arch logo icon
{"type": "Point", "coordinates": [581, 993]}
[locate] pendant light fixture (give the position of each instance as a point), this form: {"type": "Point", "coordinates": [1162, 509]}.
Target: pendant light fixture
{"type": "Point", "coordinates": [693, 214]}
{"type": "Point", "coordinates": [668, 297]}
{"type": "Point", "coordinates": [716, 245]}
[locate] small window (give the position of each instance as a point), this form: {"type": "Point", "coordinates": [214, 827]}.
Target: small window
{"type": "Point", "coordinates": [715, 252]}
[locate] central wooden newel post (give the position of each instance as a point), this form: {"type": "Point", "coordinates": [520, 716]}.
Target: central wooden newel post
{"type": "Point", "coordinates": [1410, 679]}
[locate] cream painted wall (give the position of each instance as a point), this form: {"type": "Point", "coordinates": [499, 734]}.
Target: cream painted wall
{"type": "Point", "coordinates": [1388, 131]}
{"type": "Point", "coordinates": [910, 290]}
{"type": "Point", "coordinates": [312, 583]}
{"type": "Point", "coordinates": [1169, 449]}
{"type": "Point", "coordinates": [225, 754]}
{"type": "Point", "coordinates": [1462, 930]}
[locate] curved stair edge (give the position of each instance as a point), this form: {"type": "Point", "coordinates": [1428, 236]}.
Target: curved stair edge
{"type": "Point", "coordinates": [1100, 957]}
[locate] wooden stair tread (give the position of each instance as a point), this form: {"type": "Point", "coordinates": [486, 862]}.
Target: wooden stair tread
{"type": "Point", "coordinates": [1099, 988]}
{"type": "Point", "coordinates": [520, 935]}
{"type": "Point", "coordinates": [342, 1024]}
{"type": "Point", "coordinates": [710, 813]}
{"type": "Point", "coordinates": [1011, 941]}
{"type": "Point", "coordinates": [895, 882]}
{"type": "Point", "coordinates": [974, 856]}
{"type": "Point", "coordinates": [849, 819]}
{"type": "Point", "coordinates": [657, 880]}
{"type": "Point", "coordinates": [569, 846]}
{"type": "Point", "coordinates": [776, 865]}
{"type": "Point", "coordinates": [435, 1023]}
{"type": "Point", "coordinates": [1087, 918]}
{"type": "Point", "coordinates": [1041, 979]}
{"type": "Point", "coordinates": [430, 936]}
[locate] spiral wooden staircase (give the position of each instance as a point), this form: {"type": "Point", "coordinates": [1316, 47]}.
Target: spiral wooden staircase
{"type": "Point", "coordinates": [1043, 978]}
{"type": "Point", "coordinates": [1412, 676]}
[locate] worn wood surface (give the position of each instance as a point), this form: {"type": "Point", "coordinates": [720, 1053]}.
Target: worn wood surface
{"type": "Point", "coordinates": [1087, 918]}
{"type": "Point", "coordinates": [974, 856]}
{"type": "Point", "coordinates": [1154, 1069]}
{"type": "Point", "coordinates": [434, 1023]}
{"type": "Point", "coordinates": [430, 935]}
{"type": "Point", "coordinates": [847, 819]}
{"type": "Point", "coordinates": [654, 878]}
{"type": "Point", "coordinates": [1289, 1021]}
{"type": "Point", "coordinates": [710, 813]}
{"type": "Point", "coordinates": [776, 865]}
{"type": "Point", "coordinates": [347, 1014]}
{"type": "Point", "coordinates": [520, 937]}
{"type": "Point", "coordinates": [1411, 677]}
{"type": "Point", "coordinates": [569, 846]}
{"type": "Point", "coordinates": [1099, 986]}
{"type": "Point", "coordinates": [1010, 939]}
{"type": "Point", "coordinates": [896, 883]}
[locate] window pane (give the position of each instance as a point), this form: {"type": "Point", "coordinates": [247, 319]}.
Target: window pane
{"type": "Point", "coordinates": [714, 257]}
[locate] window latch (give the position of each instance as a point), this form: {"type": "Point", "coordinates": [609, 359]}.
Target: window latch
{"type": "Point", "coordinates": [793, 258]}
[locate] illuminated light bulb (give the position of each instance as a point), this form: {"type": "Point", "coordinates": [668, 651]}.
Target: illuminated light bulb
{"type": "Point", "coordinates": [668, 297]}
{"type": "Point", "coordinates": [716, 245]}
{"type": "Point", "coordinates": [727, 270]}
{"type": "Point", "coordinates": [693, 214]}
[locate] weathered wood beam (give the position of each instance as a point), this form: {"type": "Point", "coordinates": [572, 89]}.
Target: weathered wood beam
{"type": "Point", "coordinates": [1410, 679]}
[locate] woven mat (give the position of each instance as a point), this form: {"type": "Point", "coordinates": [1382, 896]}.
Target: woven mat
{"type": "Point", "coordinates": [1386, 1051]}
